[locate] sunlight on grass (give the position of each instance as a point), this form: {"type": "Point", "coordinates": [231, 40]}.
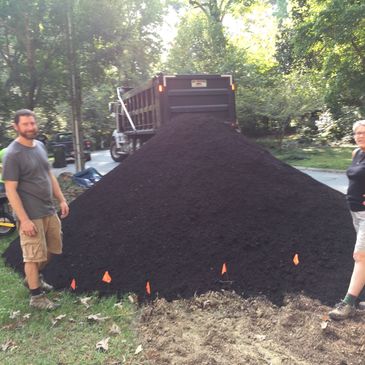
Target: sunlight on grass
{"type": "Point", "coordinates": [336, 158]}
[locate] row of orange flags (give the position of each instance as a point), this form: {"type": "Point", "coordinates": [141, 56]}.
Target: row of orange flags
{"type": "Point", "coordinates": [108, 279]}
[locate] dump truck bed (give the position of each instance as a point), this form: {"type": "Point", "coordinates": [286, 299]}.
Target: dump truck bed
{"type": "Point", "coordinates": [167, 96]}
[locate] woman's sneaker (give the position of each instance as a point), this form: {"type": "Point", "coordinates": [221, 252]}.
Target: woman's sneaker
{"type": "Point", "coordinates": [42, 302]}
{"type": "Point", "coordinates": [342, 311]}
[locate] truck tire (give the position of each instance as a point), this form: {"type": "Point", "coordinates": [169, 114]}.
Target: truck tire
{"type": "Point", "coordinates": [114, 152]}
{"type": "Point", "coordinates": [8, 219]}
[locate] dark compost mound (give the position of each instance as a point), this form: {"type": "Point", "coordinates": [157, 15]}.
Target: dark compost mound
{"type": "Point", "coordinates": [198, 195]}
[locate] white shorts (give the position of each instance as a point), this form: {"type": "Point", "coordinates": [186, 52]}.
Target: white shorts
{"type": "Point", "coordinates": [358, 219]}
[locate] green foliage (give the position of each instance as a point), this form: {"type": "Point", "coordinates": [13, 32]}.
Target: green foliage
{"type": "Point", "coordinates": [318, 62]}
{"type": "Point", "coordinates": [267, 100]}
{"type": "Point", "coordinates": [330, 37]}
{"type": "Point", "coordinates": [115, 42]}
{"type": "Point", "coordinates": [335, 129]}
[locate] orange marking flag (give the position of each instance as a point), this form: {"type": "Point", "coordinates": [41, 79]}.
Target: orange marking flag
{"type": "Point", "coordinates": [296, 259]}
{"type": "Point", "coordinates": [224, 268]}
{"type": "Point", "coordinates": [73, 284]}
{"type": "Point", "coordinates": [148, 288]}
{"type": "Point", "coordinates": [107, 278]}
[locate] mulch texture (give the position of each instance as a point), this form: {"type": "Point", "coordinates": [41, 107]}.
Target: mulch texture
{"type": "Point", "coordinates": [196, 196]}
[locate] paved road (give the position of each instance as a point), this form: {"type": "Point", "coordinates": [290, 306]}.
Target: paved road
{"type": "Point", "coordinates": [100, 160]}
{"type": "Point", "coordinates": [103, 163]}
{"type": "Point", "coordinates": [336, 180]}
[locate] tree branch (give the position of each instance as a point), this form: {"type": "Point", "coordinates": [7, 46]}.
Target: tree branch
{"type": "Point", "coordinates": [196, 4]}
{"type": "Point", "coordinates": [223, 9]}
{"type": "Point", "coordinates": [358, 51]}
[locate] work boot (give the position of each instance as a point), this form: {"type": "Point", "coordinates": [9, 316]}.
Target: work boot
{"type": "Point", "coordinates": [42, 302]}
{"type": "Point", "coordinates": [342, 311]}
{"type": "Point", "coordinates": [42, 284]}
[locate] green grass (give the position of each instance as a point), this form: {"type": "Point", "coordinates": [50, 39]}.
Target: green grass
{"type": "Point", "coordinates": [36, 337]}
{"type": "Point", "coordinates": [337, 158]}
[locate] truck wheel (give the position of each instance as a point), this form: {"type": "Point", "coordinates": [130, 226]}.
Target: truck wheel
{"type": "Point", "coordinates": [9, 224]}
{"type": "Point", "coordinates": [117, 157]}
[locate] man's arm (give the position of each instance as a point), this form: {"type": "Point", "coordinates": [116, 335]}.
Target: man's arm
{"type": "Point", "coordinates": [26, 225]}
{"type": "Point", "coordinates": [59, 196]}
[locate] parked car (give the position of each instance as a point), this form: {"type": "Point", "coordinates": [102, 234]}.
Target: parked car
{"type": "Point", "coordinates": [65, 140]}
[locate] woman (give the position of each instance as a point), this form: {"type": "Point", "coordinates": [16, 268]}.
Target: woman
{"type": "Point", "coordinates": [356, 202]}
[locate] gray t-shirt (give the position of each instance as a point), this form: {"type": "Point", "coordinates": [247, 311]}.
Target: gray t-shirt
{"type": "Point", "coordinates": [30, 168]}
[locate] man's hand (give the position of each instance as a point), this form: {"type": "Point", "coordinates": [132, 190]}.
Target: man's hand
{"type": "Point", "coordinates": [28, 228]}
{"type": "Point", "coordinates": [64, 209]}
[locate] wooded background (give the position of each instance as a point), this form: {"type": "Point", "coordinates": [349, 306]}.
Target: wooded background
{"type": "Point", "coordinates": [299, 65]}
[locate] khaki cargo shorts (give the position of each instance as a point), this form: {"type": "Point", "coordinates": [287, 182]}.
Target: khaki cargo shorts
{"type": "Point", "coordinates": [47, 239]}
{"type": "Point", "coordinates": [358, 219]}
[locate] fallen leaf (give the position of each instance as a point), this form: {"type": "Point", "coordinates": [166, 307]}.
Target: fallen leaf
{"type": "Point", "coordinates": [8, 345]}
{"type": "Point", "coordinates": [14, 314]}
{"type": "Point", "coordinates": [57, 319]}
{"type": "Point", "coordinates": [133, 298]}
{"type": "Point", "coordinates": [324, 325]}
{"type": "Point", "coordinates": [96, 317]}
{"type": "Point", "coordinates": [85, 301]}
{"type": "Point", "coordinates": [114, 329]}
{"type": "Point", "coordinates": [61, 316]}
{"type": "Point", "coordinates": [325, 317]}
{"type": "Point", "coordinates": [138, 350]}
{"type": "Point", "coordinates": [103, 345]}
{"type": "Point", "coordinates": [118, 305]}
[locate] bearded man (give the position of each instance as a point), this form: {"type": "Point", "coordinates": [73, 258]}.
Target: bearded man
{"type": "Point", "coordinates": [30, 187]}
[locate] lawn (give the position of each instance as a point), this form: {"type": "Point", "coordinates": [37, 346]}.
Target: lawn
{"type": "Point", "coordinates": [67, 335]}
{"type": "Point", "coordinates": [336, 158]}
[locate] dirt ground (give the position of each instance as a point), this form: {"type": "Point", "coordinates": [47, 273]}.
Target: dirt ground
{"type": "Point", "coordinates": [223, 328]}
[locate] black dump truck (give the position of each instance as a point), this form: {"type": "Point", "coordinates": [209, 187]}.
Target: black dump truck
{"type": "Point", "coordinates": [140, 111]}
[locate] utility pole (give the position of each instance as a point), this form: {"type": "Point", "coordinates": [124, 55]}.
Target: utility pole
{"type": "Point", "coordinates": [75, 90]}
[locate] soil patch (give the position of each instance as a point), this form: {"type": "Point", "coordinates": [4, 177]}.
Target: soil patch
{"type": "Point", "coordinates": [225, 329]}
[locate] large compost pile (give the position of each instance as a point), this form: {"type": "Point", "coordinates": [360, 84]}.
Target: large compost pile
{"type": "Point", "coordinates": [196, 196]}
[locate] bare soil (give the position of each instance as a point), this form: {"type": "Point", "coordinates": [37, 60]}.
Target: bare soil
{"type": "Point", "coordinates": [224, 328]}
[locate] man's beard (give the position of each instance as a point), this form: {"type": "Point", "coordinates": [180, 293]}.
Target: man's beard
{"type": "Point", "coordinates": [29, 135]}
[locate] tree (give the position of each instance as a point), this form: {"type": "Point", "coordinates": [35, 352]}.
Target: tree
{"type": "Point", "coordinates": [331, 38]}
{"type": "Point", "coordinates": [30, 45]}
{"type": "Point", "coordinates": [114, 42]}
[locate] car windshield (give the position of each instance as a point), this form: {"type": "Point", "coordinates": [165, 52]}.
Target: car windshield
{"type": "Point", "coordinates": [65, 137]}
